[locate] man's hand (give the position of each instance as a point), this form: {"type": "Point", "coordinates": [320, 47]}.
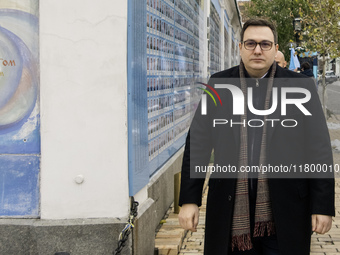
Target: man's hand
{"type": "Point", "coordinates": [188, 217]}
{"type": "Point", "coordinates": [321, 224]}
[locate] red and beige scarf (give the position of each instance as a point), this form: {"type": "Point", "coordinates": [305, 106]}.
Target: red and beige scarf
{"type": "Point", "coordinates": [264, 224]}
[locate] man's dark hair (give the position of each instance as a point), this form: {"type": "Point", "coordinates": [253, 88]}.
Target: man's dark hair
{"type": "Point", "coordinates": [259, 23]}
{"type": "Point", "coordinates": [305, 66]}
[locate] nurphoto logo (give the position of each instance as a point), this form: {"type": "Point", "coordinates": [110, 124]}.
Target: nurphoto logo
{"type": "Point", "coordinates": [239, 104]}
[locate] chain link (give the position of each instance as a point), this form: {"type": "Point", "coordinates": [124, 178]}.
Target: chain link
{"type": "Point", "coordinates": [123, 236]}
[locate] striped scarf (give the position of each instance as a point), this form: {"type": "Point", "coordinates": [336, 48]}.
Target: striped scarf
{"type": "Point", "coordinates": [241, 236]}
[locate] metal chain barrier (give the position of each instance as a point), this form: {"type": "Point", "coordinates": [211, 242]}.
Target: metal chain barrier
{"type": "Point", "coordinates": [123, 236]}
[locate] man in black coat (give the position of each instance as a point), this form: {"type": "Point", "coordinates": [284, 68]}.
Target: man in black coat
{"type": "Point", "coordinates": [306, 70]}
{"type": "Point", "coordinates": [259, 212]}
{"type": "Point", "coordinates": [280, 59]}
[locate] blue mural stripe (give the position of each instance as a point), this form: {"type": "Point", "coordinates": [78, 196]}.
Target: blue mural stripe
{"type": "Point", "coordinates": [19, 185]}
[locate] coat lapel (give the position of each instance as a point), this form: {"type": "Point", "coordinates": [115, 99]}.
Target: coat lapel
{"type": "Point", "coordinates": [236, 131]}
{"type": "Point", "coordinates": [276, 116]}
{"type": "Point", "coordinates": [236, 118]}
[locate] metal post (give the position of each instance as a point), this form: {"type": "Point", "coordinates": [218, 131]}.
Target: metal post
{"type": "Point", "coordinates": [177, 184]}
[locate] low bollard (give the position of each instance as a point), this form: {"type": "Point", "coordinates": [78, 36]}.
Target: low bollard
{"type": "Point", "coordinates": [177, 184]}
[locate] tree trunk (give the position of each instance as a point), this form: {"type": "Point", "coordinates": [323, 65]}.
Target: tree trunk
{"type": "Point", "coordinates": [323, 82]}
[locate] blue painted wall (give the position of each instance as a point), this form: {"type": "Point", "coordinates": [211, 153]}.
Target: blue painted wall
{"type": "Point", "coordinates": [19, 110]}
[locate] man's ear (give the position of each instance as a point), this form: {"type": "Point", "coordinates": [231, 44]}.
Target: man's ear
{"type": "Point", "coordinates": [240, 47]}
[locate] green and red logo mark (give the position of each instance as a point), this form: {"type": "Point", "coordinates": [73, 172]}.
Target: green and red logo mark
{"type": "Point", "coordinates": [204, 97]}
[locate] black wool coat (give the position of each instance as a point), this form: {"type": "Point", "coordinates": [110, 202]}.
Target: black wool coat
{"type": "Point", "coordinates": [293, 199]}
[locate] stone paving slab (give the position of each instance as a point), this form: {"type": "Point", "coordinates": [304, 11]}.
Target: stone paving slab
{"type": "Point", "coordinates": [172, 239]}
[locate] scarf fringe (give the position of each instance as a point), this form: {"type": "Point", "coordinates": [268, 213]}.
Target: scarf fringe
{"type": "Point", "coordinates": [261, 227]}
{"type": "Point", "coordinates": [241, 242]}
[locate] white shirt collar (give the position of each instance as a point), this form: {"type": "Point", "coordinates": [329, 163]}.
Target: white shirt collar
{"type": "Point", "coordinates": [264, 75]}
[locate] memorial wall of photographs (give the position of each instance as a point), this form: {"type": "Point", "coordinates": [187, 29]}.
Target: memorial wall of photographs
{"type": "Point", "coordinates": [214, 40]}
{"type": "Point", "coordinates": [174, 63]}
{"type": "Point", "coordinates": [167, 43]}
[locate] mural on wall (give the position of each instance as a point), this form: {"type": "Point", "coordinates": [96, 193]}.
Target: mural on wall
{"type": "Point", "coordinates": [19, 108]}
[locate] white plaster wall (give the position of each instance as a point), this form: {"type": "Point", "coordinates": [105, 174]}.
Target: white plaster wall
{"type": "Point", "coordinates": [337, 66]}
{"type": "Point", "coordinates": [83, 108]}
{"type": "Point", "coordinates": [141, 195]}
